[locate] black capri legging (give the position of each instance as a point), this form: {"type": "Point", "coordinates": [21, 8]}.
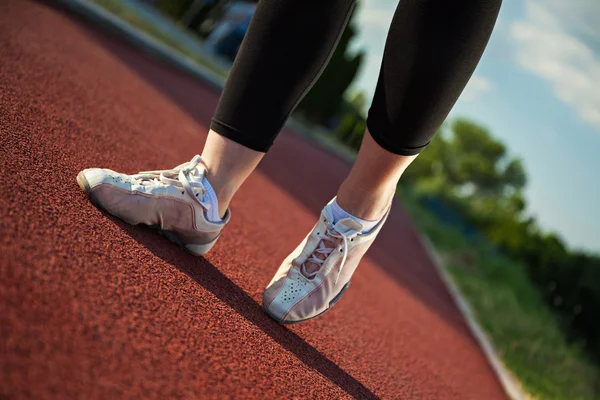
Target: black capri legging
{"type": "Point", "coordinates": [432, 48]}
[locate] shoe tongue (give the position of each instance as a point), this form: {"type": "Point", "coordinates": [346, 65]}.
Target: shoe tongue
{"type": "Point", "coordinates": [197, 175]}
{"type": "Point", "coordinates": [348, 224]}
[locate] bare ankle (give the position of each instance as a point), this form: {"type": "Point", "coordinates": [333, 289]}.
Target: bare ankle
{"type": "Point", "coordinates": [228, 165]}
{"type": "Point", "coordinates": [223, 190]}
{"type": "Point", "coordinates": [365, 203]}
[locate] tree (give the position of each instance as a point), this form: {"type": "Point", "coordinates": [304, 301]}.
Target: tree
{"type": "Point", "coordinates": [472, 164]}
{"type": "Point", "coordinates": [473, 173]}
{"type": "Point", "coordinates": [357, 101]}
{"type": "Point", "coordinates": [351, 130]}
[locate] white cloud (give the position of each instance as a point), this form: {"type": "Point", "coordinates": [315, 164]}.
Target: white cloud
{"type": "Point", "coordinates": [549, 48]}
{"type": "Point", "coordinates": [581, 16]}
{"type": "Point", "coordinates": [477, 86]}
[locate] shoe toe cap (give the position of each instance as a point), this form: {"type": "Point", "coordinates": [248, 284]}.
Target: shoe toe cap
{"type": "Point", "coordinates": [111, 192]}
{"type": "Point", "coordinates": [290, 298]}
{"type": "Point", "coordinates": [98, 176]}
{"type": "Point", "coordinates": [95, 176]}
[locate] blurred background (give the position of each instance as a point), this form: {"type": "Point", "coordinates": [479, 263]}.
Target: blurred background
{"type": "Point", "coordinates": [509, 190]}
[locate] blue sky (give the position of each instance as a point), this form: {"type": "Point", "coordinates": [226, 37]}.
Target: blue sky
{"type": "Point", "coordinates": [537, 88]}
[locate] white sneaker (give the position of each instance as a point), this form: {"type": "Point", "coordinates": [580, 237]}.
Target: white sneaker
{"type": "Point", "coordinates": [299, 292]}
{"type": "Point", "coordinates": [170, 200]}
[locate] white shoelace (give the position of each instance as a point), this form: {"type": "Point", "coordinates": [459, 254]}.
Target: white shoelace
{"type": "Point", "coordinates": [330, 235]}
{"type": "Point", "coordinates": [180, 176]}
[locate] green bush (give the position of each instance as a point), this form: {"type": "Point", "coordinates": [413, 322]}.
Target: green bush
{"type": "Point", "coordinates": [351, 130]}
{"type": "Point", "coordinates": [475, 176]}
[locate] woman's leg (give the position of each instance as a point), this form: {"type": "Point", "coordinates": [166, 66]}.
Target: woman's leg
{"type": "Point", "coordinates": [287, 46]}
{"type": "Point", "coordinates": [431, 52]}
{"type": "Point", "coordinates": [432, 49]}
{"type": "Point", "coordinates": [368, 190]}
{"type": "Point", "coordinates": [228, 165]}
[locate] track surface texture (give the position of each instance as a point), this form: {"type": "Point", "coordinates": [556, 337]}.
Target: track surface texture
{"type": "Point", "coordinates": [92, 308]}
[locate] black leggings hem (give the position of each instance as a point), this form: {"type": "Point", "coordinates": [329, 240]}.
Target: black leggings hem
{"type": "Point", "coordinates": [431, 51]}
{"type": "Point", "coordinates": [249, 140]}
{"type": "Point", "coordinates": [383, 140]}
{"type": "Point", "coordinates": [253, 142]}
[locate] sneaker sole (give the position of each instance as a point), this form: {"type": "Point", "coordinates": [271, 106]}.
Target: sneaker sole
{"type": "Point", "coordinates": [195, 249]}
{"type": "Point", "coordinates": [331, 304]}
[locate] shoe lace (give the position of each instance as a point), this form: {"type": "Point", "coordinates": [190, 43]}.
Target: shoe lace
{"type": "Point", "coordinates": [331, 235]}
{"type": "Point", "coordinates": [187, 176]}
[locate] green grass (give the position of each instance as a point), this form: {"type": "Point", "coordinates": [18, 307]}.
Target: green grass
{"type": "Point", "coordinates": [117, 8]}
{"type": "Point", "coordinates": [511, 311]}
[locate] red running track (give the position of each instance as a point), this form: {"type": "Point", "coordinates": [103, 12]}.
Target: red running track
{"type": "Point", "coordinates": [93, 308]}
